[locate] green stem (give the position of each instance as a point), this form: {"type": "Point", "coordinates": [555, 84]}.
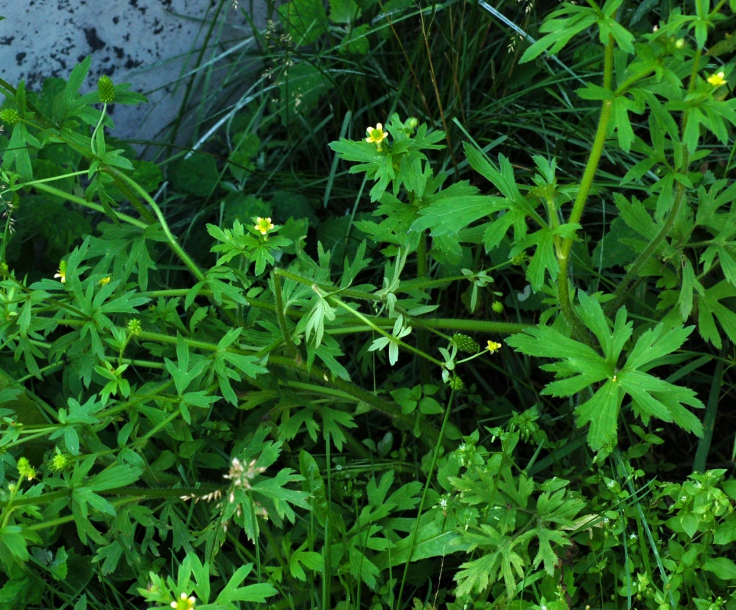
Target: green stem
{"type": "Point", "coordinates": [591, 168]}
{"type": "Point", "coordinates": [173, 244]}
{"type": "Point", "coordinates": [420, 510]}
{"type": "Point", "coordinates": [290, 347]}
{"type": "Point", "coordinates": [125, 406]}
{"type": "Point", "coordinates": [33, 183]}
{"type": "Point", "coordinates": [391, 409]}
{"type": "Point", "coordinates": [389, 336]}
{"type": "Point", "coordinates": [422, 257]}
{"type": "Point", "coordinates": [711, 411]}
{"type": "Point", "coordinates": [97, 128]}
{"type": "Point", "coordinates": [422, 334]}
{"type": "Point", "coordinates": [625, 287]}
{"type": "Point", "coordinates": [478, 326]}
{"type": "Point", "coordinates": [87, 204]}
{"type": "Point", "coordinates": [127, 492]}
{"type": "Point", "coordinates": [354, 294]}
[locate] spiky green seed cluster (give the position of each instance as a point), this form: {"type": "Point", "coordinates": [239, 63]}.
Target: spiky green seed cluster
{"type": "Point", "coordinates": [9, 116]}
{"type": "Point", "coordinates": [60, 462]}
{"type": "Point", "coordinates": [465, 343]}
{"type": "Point", "coordinates": [134, 327]}
{"type": "Point", "coordinates": [106, 90]}
{"type": "Point", "coordinates": [497, 307]}
{"type": "Point", "coordinates": [456, 383]}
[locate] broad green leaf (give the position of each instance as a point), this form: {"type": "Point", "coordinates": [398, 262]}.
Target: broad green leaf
{"type": "Point", "coordinates": [431, 541]}
{"type": "Point", "coordinates": [723, 567]}
{"type": "Point", "coordinates": [11, 536]}
{"type": "Point", "coordinates": [711, 309]}
{"type": "Point", "coordinates": [601, 412]}
{"type": "Point", "coordinates": [119, 475]}
{"type": "Point", "coordinates": [451, 217]}
{"type": "Point", "coordinates": [344, 11]}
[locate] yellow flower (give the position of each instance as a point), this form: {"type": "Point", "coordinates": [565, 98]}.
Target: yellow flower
{"type": "Point", "coordinates": [61, 273]}
{"type": "Point", "coordinates": [493, 346]}
{"type": "Point", "coordinates": [184, 603]}
{"type": "Point", "coordinates": [717, 79]}
{"type": "Point", "coordinates": [263, 225]}
{"type": "Point", "coordinates": [376, 135]}
{"type": "Point", "coordinates": [105, 281]}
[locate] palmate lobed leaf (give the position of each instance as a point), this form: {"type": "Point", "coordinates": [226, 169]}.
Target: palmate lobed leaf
{"type": "Point", "coordinates": [580, 367]}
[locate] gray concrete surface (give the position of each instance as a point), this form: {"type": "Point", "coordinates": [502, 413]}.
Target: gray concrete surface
{"type": "Point", "coordinates": [149, 43]}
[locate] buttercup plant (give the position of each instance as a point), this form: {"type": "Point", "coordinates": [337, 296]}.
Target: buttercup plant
{"type": "Point", "coordinates": [263, 423]}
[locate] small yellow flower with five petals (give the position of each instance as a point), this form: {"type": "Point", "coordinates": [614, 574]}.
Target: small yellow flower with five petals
{"type": "Point", "coordinates": [376, 135]}
{"type": "Point", "coordinates": [184, 603]}
{"type": "Point", "coordinates": [264, 225]}
{"type": "Point", "coordinates": [717, 79]}
{"type": "Point", "coordinates": [493, 346]}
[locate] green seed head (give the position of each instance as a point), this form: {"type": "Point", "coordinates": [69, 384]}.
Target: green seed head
{"type": "Point", "coordinates": [60, 462]}
{"type": "Point", "coordinates": [106, 90]}
{"type": "Point", "coordinates": [134, 327]}
{"type": "Point", "coordinates": [465, 343]}
{"type": "Point", "coordinates": [9, 116]}
{"type": "Point", "coordinates": [25, 470]}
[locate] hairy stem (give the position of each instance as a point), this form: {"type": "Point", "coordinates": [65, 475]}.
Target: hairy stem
{"type": "Point", "coordinates": [563, 254]}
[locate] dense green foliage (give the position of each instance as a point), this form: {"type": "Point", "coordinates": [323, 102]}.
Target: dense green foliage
{"type": "Point", "coordinates": [385, 335]}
